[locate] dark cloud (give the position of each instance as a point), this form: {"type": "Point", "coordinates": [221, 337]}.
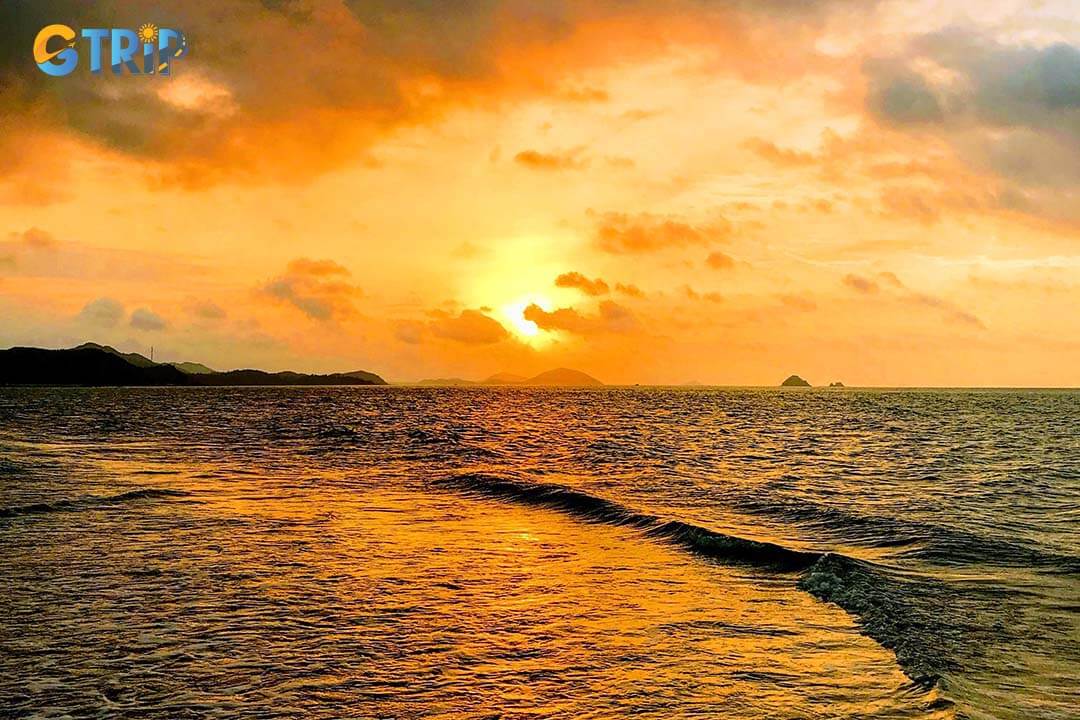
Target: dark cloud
{"type": "Point", "coordinates": [103, 311]}
{"type": "Point", "coordinates": [343, 71]}
{"type": "Point", "coordinates": [629, 290]}
{"type": "Point", "coordinates": [1009, 110]}
{"type": "Point", "coordinates": [471, 327]}
{"type": "Point", "coordinates": [317, 288]}
{"type": "Point", "coordinates": [904, 98]}
{"type": "Point", "coordinates": [145, 319]}
{"type": "Point", "coordinates": [578, 281]}
{"type": "Point", "coordinates": [346, 71]}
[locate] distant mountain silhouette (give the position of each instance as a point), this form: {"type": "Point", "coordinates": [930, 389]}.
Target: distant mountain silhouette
{"type": "Point", "coordinates": [559, 376]}
{"type": "Point", "coordinates": [192, 368]}
{"type": "Point", "coordinates": [794, 381]}
{"type": "Point", "coordinates": [447, 382]}
{"type": "Point", "coordinates": [188, 368]}
{"type": "Point", "coordinates": [369, 377]}
{"type": "Point", "coordinates": [563, 376]}
{"type": "Point", "coordinates": [836, 384]}
{"type": "Point", "coordinates": [91, 364]}
{"type": "Point", "coordinates": [134, 358]}
{"type": "Point", "coordinates": [85, 366]}
{"type": "Point", "coordinates": [505, 379]}
{"type": "Point", "coordinates": [261, 377]}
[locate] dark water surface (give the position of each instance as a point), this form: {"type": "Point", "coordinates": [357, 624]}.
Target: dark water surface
{"type": "Point", "coordinates": [483, 552]}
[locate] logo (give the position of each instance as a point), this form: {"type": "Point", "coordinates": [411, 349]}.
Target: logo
{"type": "Point", "coordinates": [150, 50]}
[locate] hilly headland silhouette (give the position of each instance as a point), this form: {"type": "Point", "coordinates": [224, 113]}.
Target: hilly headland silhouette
{"type": "Point", "coordinates": [91, 364]}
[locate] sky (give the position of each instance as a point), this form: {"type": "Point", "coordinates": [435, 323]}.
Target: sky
{"type": "Point", "coordinates": [875, 192]}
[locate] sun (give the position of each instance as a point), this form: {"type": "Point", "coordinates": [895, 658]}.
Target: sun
{"type": "Point", "coordinates": [148, 32]}
{"type": "Point", "coordinates": [514, 314]}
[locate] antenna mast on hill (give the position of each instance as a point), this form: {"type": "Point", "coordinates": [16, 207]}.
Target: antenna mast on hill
{"type": "Point", "coordinates": [151, 353]}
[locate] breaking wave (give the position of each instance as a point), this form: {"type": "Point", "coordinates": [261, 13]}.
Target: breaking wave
{"type": "Point", "coordinates": [593, 509]}
{"type": "Point", "coordinates": [902, 613]}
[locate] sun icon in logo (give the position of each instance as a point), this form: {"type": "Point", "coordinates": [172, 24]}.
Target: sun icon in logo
{"type": "Point", "coordinates": [148, 32]}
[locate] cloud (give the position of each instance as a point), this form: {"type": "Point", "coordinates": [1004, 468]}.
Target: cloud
{"type": "Point", "coordinates": [316, 268]}
{"type": "Point", "coordinates": [471, 327]}
{"type": "Point", "coordinates": [103, 311]}
{"type": "Point", "coordinates": [409, 332]}
{"type": "Point", "coordinates": [535, 160]}
{"type": "Point", "coordinates": [37, 238]}
{"type": "Point", "coordinates": [799, 302]}
{"type": "Point", "coordinates": [692, 294]}
{"type": "Point", "coordinates": [586, 95]}
{"type": "Point", "coordinates": [578, 281]}
{"type": "Point", "coordinates": [720, 261]}
{"type": "Point", "coordinates": [208, 310]}
{"type": "Point", "coordinates": [629, 290]}
{"type": "Point", "coordinates": [144, 319]}
{"type": "Point", "coordinates": [620, 233]}
{"type": "Point", "coordinates": [890, 278]}
{"type": "Point", "coordinates": [903, 98]}
{"type": "Point", "coordinates": [379, 65]}
{"type": "Point", "coordinates": [952, 312]}
{"type": "Point", "coordinates": [910, 205]}
{"type": "Point", "coordinates": [781, 157]}
{"type": "Point", "coordinates": [1010, 111]}
{"type": "Point", "coordinates": [611, 317]}
{"type": "Point", "coordinates": [861, 284]}
{"type": "Point", "coordinates": [317, 288]}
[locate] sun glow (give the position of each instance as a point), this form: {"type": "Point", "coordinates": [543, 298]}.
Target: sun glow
{"type": "Point", "coordinates": [514, 315]}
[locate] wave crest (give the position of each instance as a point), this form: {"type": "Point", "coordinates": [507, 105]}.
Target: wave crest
{"type": "Point", "coordinates": [896, 611]}
{"type": "Point", "coordinates": [698, 540]}
{"type": "Point", "coordinates": [89, 502]}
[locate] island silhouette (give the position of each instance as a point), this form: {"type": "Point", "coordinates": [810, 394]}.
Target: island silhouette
{"type": "Point", "coordinates": [559, 377]}
{"type": "Point", "coordinates": [91, 364]}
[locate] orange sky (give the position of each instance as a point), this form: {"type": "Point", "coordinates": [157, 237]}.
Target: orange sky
{"type": "Point", "coordinates": [884, 193]}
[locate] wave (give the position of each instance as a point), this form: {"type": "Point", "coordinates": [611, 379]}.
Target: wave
{"type": "Point", "coordinates": [594, 509]}
{"type": "Point", "coordinates": [88, 502]}
{"type": "Point", "coordinates": [902, 613]}
{"type": "Point", "coordinates": [920, 540]}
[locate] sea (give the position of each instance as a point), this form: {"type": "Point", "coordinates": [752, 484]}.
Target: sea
{"type": "Point", "coordinates": [408, 552]}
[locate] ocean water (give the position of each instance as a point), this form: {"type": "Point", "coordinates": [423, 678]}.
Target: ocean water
{"type": "Point", "coordinates": [527, 553]}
